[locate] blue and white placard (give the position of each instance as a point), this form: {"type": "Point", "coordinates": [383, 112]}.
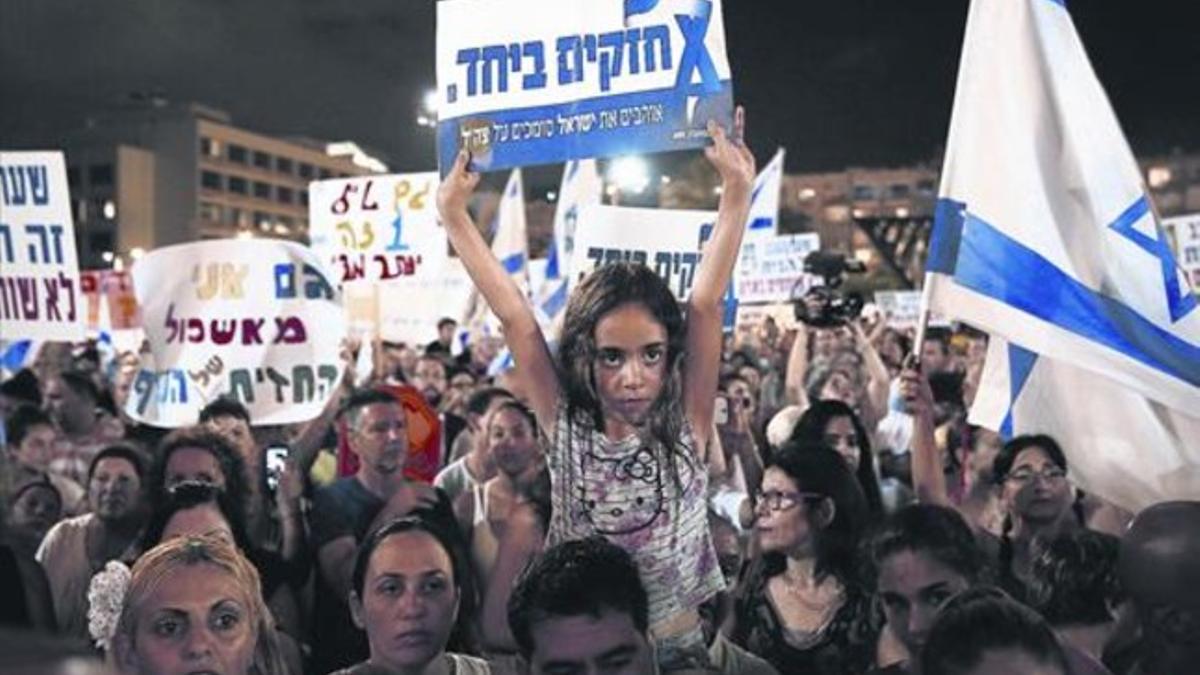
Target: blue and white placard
{"type": "Point", "coordinates": [541, 81]}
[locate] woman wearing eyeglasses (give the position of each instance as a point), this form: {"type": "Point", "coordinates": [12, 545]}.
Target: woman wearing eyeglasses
{"type": "Point", "coordinates": [800, 607]}
{"type": "Point", "coordinates": [1030, 473]}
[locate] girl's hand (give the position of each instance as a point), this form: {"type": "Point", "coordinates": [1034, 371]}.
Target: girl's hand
{"type": "Point", "coordinates": [456, 189]}
{"type": "Point", "coordinates": [730, 156]}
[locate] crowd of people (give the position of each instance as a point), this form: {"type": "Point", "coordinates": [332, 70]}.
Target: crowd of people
{"type": "Point", "coordinates": [652, 495]}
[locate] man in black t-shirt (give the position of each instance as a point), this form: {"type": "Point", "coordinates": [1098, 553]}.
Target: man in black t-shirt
{"type": "Point", "coordinates": [344, 512]}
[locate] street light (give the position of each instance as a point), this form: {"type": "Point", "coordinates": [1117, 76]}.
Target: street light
{"type": "Point", "coordinates": [630, 174]}
{"type": "Point", "coordinates": [429, 109]}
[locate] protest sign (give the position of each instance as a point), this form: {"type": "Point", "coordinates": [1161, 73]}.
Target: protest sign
{"type": "Point", "coordinates": [258, 321]}
{"type": "Point", "coordinates": [1184, 233]}
{"type": "Point", "coordinates": [542, 81]}
{"type": "Point", "coordinates": [902, 308]}
{"type": "Point", "coordinates": [376, 228]}
{"type": "Point", "coordinates": [771, 268]}
{"type": "Point", "coordinates": [409, 312]}
{"type": "Point", "coordinates": [39, 272]}
{"type": "Point", "coordinates": [666, 240]}
{"type": "Point", "coordinates": [750, 317]}
{"type": "Point", "coordinates": [110, 300]}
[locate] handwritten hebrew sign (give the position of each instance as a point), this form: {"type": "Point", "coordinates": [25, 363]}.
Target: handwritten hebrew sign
{"type": "Point", "coordinates": [665, 240]}
{"type": "Point", "coordinates": [39, 271]}
{"type": "Point", "coordinates": [258, 321]}
{"type": "Point", "coordinates": [376, 228]}
{"type": "Point", "coordinates": [541, 81]}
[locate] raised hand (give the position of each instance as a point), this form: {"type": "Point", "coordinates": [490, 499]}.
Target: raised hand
{"type": "Point", "coordinates": [456, 188]}
{"type": "Point", "coordinates": [730, 156]}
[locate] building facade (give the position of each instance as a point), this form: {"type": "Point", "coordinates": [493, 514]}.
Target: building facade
{"type": "Point", "coordinates": [163, 174]}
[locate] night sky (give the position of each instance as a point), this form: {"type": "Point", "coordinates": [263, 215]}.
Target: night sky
{"type": "Point", "coordinates": [839, 83]}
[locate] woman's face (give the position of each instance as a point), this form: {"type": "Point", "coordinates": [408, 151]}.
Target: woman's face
{"type": "Point", "coordinates": [200, 520]}
{"type": "Point", "coordinates": [198, 621]}
{"type": "Point", "coordinates": [1036, 488]}
{"type": "Point", "coordinates": [511, 442]}
{"type": "Point", "coordinates": [114, 488]}
{"type": "Point", "coordinates": [36, 510]}
{"type": "Point", "coordinates": [840, 435]}
{"type": "Point", "coordinates": [631, 363]}
{"type": "Point", "coordinates": [409, 601]}
{"type": "Point", "coordinates": [913, 586]}
{"type": "Point", "coordinates": [782, 525]}
{"type": "Point", "coordinates": [190, 464]}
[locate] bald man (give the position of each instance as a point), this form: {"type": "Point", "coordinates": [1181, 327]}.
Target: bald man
{"type": "Point", "coordinates": [1160, 569]}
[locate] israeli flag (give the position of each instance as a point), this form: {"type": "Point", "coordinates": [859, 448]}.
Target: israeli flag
{"type": "Point", "coordinates": [1045, 237]}
{"type": "Point", "coordinates": [509, 241]}
{"type": "Point", "coordinates": [581, 185]}
{"type": "Point", "coordinates": [764, 200]}
{"type": "Point", "coordinates": [510, 245]}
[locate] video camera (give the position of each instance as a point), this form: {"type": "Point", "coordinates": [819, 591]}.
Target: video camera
{"type": "Point", "coordinates": [826, 306]}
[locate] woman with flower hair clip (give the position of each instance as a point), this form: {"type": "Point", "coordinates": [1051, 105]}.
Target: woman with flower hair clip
{"type": "Point", "coordinates": [193, 604]}
{"type": "Point", "coordinates": [628, 400]}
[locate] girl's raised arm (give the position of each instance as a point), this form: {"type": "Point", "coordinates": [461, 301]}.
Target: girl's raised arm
{"type": "Point", "coordinates": [706, 305]}
{"type": "Point", "coordinates": [534, 367]}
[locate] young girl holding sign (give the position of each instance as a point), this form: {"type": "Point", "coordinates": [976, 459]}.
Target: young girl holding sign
{"type": "Point", "coordinates": [628, 405]}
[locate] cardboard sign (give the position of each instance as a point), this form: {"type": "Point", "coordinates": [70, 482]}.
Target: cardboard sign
{"type": "Point", "coordinates": [902, 308]}
{"type": "Point", "coordinates": [39, 271]}
{"type": "Point", "coordinates": [110, 300]}
{"type": "Point", "coordinates": [666, 240]}
{"type": "Point", "coordinates": [542, 81]}
{"type": "Point", "coordinates": [258, 321]}
{"type": "Point", "coordinates": [770, 268]}
{"type": "Point", "coordinates": [1184, 234]}
{"type": "Point", "coordinates": [376, 228]}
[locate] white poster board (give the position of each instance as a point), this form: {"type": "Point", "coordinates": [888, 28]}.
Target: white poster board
{"type": "Point", "coordinates": [665, 240]}
{"type": "Point", "coordinates": [258, 321]}
{"type": "Point", "coordinates": [376, 228]}
{"type": "Point", "coordinates": [770, 269]}
{"type": "Point", "coordinates": [40, 296]}
{"type": "Point", "coordinates": [901, 308]}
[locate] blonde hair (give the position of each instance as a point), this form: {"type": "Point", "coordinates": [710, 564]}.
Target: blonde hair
{"type": "Point", "coordinates": [161, 562]}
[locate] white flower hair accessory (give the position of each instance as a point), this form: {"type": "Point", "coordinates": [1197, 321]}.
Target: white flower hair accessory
{"type": "Point", "coordinates": [106, 598]}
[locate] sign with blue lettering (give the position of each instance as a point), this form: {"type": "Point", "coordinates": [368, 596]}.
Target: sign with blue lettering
{"type": "Point", "coordinates": [40, 297]}
{"type": "Point", "coordinates": [668, 241]}
{"type": "Point", "coordinates": [257, 321]}
{"type": "Point", "coordinates": [542, 81]}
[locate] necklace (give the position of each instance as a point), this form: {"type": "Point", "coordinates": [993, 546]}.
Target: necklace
{"type": "Point", "coordinates": [812, 598]}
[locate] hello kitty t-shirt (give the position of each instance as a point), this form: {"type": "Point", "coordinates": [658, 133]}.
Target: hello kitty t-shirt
{"type": "Point", "coordinates": [634, 495]}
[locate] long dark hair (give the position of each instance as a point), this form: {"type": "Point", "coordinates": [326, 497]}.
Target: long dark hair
{"type": "Point", "coordinates": [810, 428]}
{"type": "Point", "coordinates": [819, 470]}
{"type": "Point", "coordinates": [608, 287]}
